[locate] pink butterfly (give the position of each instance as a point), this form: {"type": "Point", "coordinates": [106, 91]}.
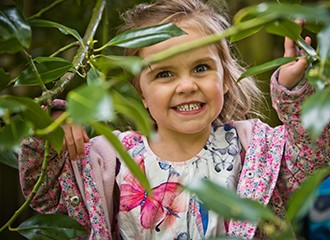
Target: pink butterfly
{"type": "Point", "coordinates": [153, 208]}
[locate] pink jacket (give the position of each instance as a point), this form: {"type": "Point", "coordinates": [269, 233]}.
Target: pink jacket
{"type": "Point", "coordinates": [277, 160]}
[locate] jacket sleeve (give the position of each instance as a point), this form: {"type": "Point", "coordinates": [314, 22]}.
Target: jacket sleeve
{"type": "Point", "coordinates": [48, 198]}
{"type": "Point", "coordinates": [302, 155]}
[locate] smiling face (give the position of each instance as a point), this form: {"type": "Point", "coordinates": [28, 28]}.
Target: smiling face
{"type": "Point", "coordinates": [184, 94]}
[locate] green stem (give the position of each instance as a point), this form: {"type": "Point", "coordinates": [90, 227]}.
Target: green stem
{"type": "Point", "coordinates": [35, 71]}
{"type": "Point", "coordinates": [73, 44]}
{"type": "Point", "coordinates": [80, 56]}
{"type": "Point", "coordinates": [53, 126]}
{"type": "Point", "coordinates": [34, 190]}
{"type": "Point", "coordinates": [42, 11]}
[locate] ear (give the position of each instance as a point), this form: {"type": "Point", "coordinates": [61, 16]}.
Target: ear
{"type": "Point", "coordinates": [225, 88]}
{"type": "Point", "coordinates": [144, 101]}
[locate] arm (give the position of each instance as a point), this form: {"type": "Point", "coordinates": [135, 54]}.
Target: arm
{"type": "Point", "coordinates": [302, 155]}
{"type": "Point", "coordinates": [48, 199]}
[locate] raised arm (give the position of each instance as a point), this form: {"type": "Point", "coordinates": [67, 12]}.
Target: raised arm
{"type": "Point", "coordinates": [302, 155]}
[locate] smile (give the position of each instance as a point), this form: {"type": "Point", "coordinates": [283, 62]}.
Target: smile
{"type": "Point", "coordinates": [189, 107]}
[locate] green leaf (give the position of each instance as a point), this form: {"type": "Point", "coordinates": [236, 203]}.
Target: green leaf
{"type": "Point", "coordinates": [12, 134]}
{"type": "Point", "coordinates": [290, 1]}
{"type": "Point", "coordinates": [9, 157]}
{"type": "Point", "coordinates": [8, 107]}
{"type": "Point", "coordinates": [132, 64]}
{"type": "Point", "coordinates": [314, 76]}
{"type": "Point", "coordinates": [135, 169]}
{"type": "Point", "coordinates": [245, 33]}
{"type": "Point", "coordinates": [306, 47]}
{"type": "Point", "coordinates": [15, 31]}
{"type": "Point", "coordinates": [228, 204]}
{"type": "Point", "coordinates": [284, 28]}
{"type": "Point", "coordinates": [324, 44]}
{"type": "Point", "coordinates": [49, 69]}
{"type": "Point", "coordinates": [39, 119]}
{"type": "Point", "coordinates": [301, 199]}
{"type": "Point", "coordinates": [89, 103]}
{"type": "Point", "coordinates": [266, 67]}
{"type": "Point", "coordinates": [64, 29]}
{"type": "Point", "coordinates": [51, 226]}
{"type": "Point", "coordinates": [4, 79]}
{"type": "Point", "coordinates": [316, 112]}
{"type": "Point", "coordinates": [310, 13]}
{"type": "Point", "coordinates": [135, 111]}
{"type": "Point", "coordinates": [145, 36]}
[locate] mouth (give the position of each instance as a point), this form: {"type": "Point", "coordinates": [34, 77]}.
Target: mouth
{"type": "Point", "coordinates": [188, 107]}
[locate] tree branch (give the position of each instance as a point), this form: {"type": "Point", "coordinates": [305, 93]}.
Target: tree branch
{"type": "Point", "coordinates": [80, 56]}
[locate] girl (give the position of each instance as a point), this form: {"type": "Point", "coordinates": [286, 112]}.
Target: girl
{"type": "Point", "coordinates": [203, 130]}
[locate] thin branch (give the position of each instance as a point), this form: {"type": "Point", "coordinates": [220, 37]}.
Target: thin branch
{"type": "Point", "coordinates": [34, 190]}
{"type": "Point", "coordinates": [42, 11]}
{"type": "Point", "coordinates": [80, 56]}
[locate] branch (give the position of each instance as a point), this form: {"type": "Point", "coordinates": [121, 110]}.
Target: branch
{"type": "Point", "coordinates": [80, 56]}
{"type": "Point", "coordinates": [34, 190]}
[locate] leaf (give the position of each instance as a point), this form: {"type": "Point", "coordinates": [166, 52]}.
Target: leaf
{"type": "Point", "coordinates": [245, 33]}
{"type": "Point", "coordinates": [38, 118]}
{"type": "Point", "coordinates": [49, 69]}
{"type": "Point", "coordinates": [310, 13]}
{"type": "Point", "coordinates": [132, 64]}
{"type": "Point", "coordinates": [88, 103]}
{"type": "Point", "coordinates": [135, 111]}
{"type": "Point", "coordinates": [12, 134]}
{"type": "Point", "coordinates": [266, 66]}
{"type": "Point", "coordinates": [301, 199]}
{"type": "Point", "coordinates": [8, 107]}
{"type": "Point", "coordinates": [284, 28]}
{"type": "Point", "coordinates": [51, 226]}
{"type": "Point", "coordinates": [306, 47]}
{"type": "Point", "coordinates": [130, 163]}
{"type": "Point", "coordinates": [145, 36]}
{"type": "Point", "coordinates": [15, 31]}
{"type": "Point", "coordinates": [4, 79]}
{"type": "Point", "coordinates": [228, 204]}
{"type": "Point", "coordinates": [64, 29]}
{"type": "Point", "coordinates": [324, 44]}
{"type": "Point", "coordinates": [290, 1]}
{"type": "Point", "coordinates": [9, 157]}
{"type": "Point", "coordinates": [315, 114]}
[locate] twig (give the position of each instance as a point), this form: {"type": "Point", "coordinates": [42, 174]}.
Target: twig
{"type": "Point", "coordinates": [34, 191]}
{"type": "Point", "coordinates": [80, 56]}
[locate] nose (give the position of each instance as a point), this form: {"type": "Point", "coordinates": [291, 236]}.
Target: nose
{"type": "Point", "coordinates": [186, 85]}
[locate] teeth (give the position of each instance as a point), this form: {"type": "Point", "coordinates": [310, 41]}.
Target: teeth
{"type": "Point", "coordinates": [189, 107]}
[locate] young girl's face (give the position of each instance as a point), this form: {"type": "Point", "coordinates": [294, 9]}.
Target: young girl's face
{"type": "Point", "coordinates": [184, 94]}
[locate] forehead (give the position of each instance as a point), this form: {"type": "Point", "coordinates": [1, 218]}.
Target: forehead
{"type": "Point", "coordinates": [192, 34]}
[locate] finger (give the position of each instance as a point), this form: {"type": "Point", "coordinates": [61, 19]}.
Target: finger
{"type": "Point", "coordinates": [79, 139]}
{"type": "Point", "coordinates": [86, 138]}
{"type": "Point", "coordinates": [290, 48]}
{"type": "Point", "coordinates": [70, 142]}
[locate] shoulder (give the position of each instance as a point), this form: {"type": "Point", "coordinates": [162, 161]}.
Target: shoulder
{"type": "Point", "coordinates": [244, 130]}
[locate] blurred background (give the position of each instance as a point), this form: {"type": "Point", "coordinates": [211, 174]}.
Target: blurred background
{"type": "Point", "coordinates": [254, 50]}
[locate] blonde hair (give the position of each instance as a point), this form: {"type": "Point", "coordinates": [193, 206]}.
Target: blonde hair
{"type": "Point", "coordinates": [241, 98]}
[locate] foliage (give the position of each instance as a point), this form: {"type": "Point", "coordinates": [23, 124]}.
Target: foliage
{"type": "Point", "coordinates": [103, 94]}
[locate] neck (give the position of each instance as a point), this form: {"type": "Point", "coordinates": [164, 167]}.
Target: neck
{"type": "Point", "coordinates": [180, 147]}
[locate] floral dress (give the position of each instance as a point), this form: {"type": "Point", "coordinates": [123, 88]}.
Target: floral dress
{"type": "Point", "coordinates": [174, 213]}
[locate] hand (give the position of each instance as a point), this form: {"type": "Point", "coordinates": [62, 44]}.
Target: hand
{"type": "Point", "coordinates": [291, 73]}
{"type": "Point", "coordinates": [74, 138]}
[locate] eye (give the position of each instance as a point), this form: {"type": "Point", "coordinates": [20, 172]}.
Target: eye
{"type": "Point", "coordinates": [201, 68]}
{"type": "Point", "coordinates": [164, 74]}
